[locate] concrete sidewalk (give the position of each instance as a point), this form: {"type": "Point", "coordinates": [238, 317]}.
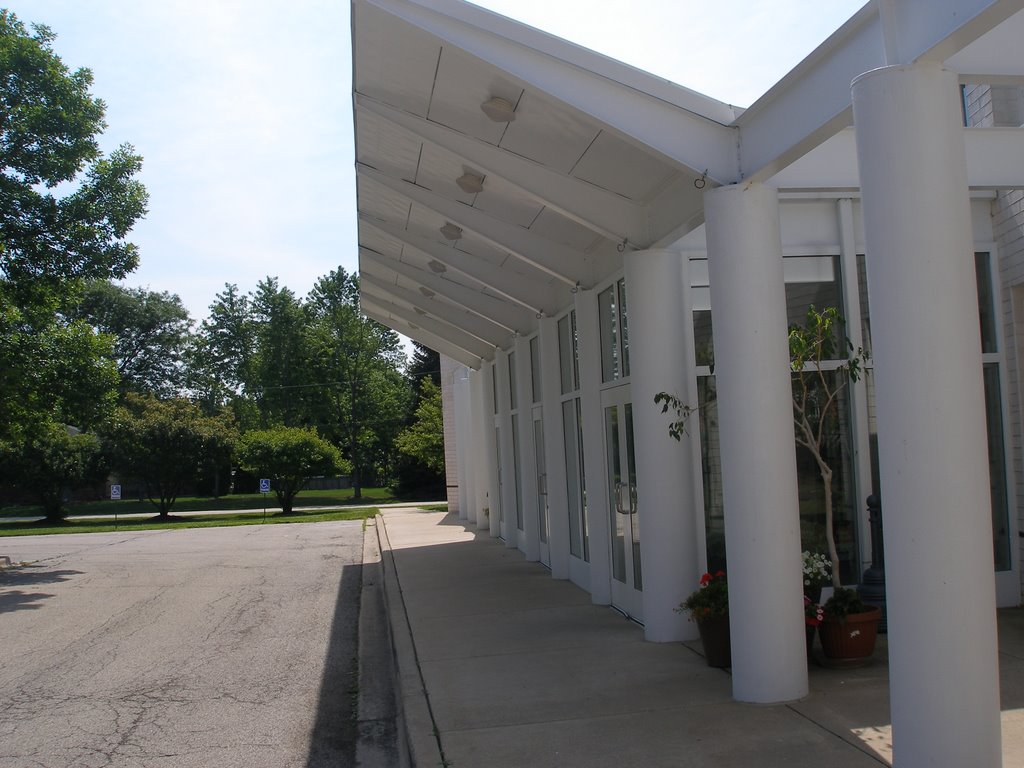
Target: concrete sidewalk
{"type": "Point", "coordinates": [500, 665]}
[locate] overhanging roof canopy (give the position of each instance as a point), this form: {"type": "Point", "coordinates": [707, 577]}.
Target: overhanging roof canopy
{"type": "Point", "coordinates": [475, 227]}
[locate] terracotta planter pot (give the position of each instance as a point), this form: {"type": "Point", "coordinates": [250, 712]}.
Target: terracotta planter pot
{"type": "Point", "coordinates": [714, 636]}
{"type": "Point", "coordinates": [851, 640]}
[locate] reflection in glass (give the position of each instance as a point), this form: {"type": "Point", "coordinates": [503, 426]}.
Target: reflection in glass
{"type": "Point", "coordinates": [615, 482]}
{"type": "Point", "coordinates": [607, 312]}
{"type": "Point", "coordinates": [634, 516]}
{"type": "Point", "coordinates": [519, 479]}
{"type": "Point", "coordinates": [997, 468]}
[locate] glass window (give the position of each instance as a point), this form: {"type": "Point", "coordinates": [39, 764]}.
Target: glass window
{"type": "Point", "coordinates": [565, 350]}
{"type": "Point", "coordinates": [494, 387]}
{"type": "Point", "coordinates": [711, 464]}
{"type": "Point", "coordinates": [535, 369]}
{"type": "Point", "coordinates": [608, 317]}
{"type": "Point", "coordinates": [986, 303]}
{"type": "Point", "coordinates": [623, 326]}
{"type": "Point", "coordinates": [518, 474]}
{"type": "Point", "coordinates": [574, 475]}
{"type": "Point", "coordinates": [513, 393]}
{"type": "Point", "coordinates": [997, 467]}
{"type": "Point", "coordinates": [809, 289]}
{"type": "Point", "coordinates": [703, 343]}
{"type": "Point", "coordinates": [575, 353]}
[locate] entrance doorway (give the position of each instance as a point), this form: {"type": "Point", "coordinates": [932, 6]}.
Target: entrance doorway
{"type": "Point", "coordinates": [624, 523]}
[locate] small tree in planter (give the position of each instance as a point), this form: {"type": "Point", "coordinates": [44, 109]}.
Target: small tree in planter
{"type": "Point", "coordinates": [816, 397]}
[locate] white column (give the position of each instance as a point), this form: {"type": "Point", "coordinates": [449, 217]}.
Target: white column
{"type": "Point", "coordinates": [506, 456]}
{"type": "Point", "coordinates": [463, 447]}
{"type": "Point", "coordinates": [480, 419]}
{"type": "Point", "coordinates": [493, 493]}
{"type": "Point", "coordinates": [527, 452]}
{"type": "Point", "coordinates": [554, 449]}
{"type": "Point", "coordinates": [661, 355]}
{"type": "Point", "coordinates": [595, 468]}
{"type": "Point", "coordinates": [755, 422]}
{"type": "Point", "coordinates": [932, 447]}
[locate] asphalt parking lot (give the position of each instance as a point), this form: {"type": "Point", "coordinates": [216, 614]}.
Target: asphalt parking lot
{"type": "Point", "coordinates": [199, 647]}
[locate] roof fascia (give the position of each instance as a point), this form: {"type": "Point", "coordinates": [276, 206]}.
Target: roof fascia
{"type": "Point", "coordinates": [692, 141]}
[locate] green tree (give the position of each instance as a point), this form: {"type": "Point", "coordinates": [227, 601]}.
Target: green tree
{"type": "Point", "coordinates": [424, 440]}
{"type": "Point", "coordinates": [279, 376]}
{"type": "Point", "coordinates": [289, 456]}
{"type": "Point", "coordinates": [358, 362]}
{"type": "Point", "coordinates": [165, 444]}
{"type": "Point", "coordinates": [149, 329]}
{"type": "Point", "coordinates": [65, 211]}
{"type": "Point", "coordinates": [50, 463]}
{"type": "Point", "coordinates": [221, 352]}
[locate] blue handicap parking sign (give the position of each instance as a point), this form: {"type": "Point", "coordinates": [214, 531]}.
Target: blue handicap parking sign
{"type": "Point", "coordinates": [264, 485]}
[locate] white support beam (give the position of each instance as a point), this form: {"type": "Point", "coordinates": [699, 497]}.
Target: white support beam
{"type": "Point", "coordinates": [683, 127]}
{"type": "Point", "coordinates": [561, 262]}
{"type": "Point", "coordinates": [813, 102]}
{"type": "Point", "coordinates": [372, 297]}
{"type": "Point", "coordinates": [425, 338]}
{"type": "Point", "coordinates": [513, 286]}
{"type": "Point", "coordinates": [603, 212]}
{"type": "Point", "coordinates": [995, 160]}
{"type": "Point", "coordinates": [472, 324]}
{"type": "Point", "coordinates": [510, 318]}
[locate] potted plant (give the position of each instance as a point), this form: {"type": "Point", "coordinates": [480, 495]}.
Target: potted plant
{"type": "Point", "coordinates": [709, 607]}
{"type": "Point", "coordinates": [849, 628]}
{"type": "Point", "coordinates": [817, 572]}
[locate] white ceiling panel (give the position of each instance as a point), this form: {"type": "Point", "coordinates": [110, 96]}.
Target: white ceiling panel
{"type": "Point", "coordinates": [548, 133]}
{"type": "Point", "coordinates": [385, 147]}
{"type": "Point", "coordinates": [476, 247]}
{"type": "Point", "coordinates": [463, 84]}
{"type": "Point", "coordinates": [508, 203]}
{"type": "Point", "coordinates": [618, 166]}
{"type": "Point", "coordinates": [438, 170]}
{"type": "Point", "coordinates": [555, 227]}
{"type": "Point", "coordinates": [375, 240]}
{"type": "Point", "coordinates": [396, 61]}
{"type": "Point", "coordinates": [426, 223]}
{"type": "Point", "coordinates": [381, 203]}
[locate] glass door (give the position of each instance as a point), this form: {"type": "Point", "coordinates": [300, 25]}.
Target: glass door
{"type": "Point", "coordinates": [623, 509]}
{"type": "Point", "coordinates": [542, 486]}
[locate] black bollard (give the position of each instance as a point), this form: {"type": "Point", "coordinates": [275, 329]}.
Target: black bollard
{"type": "Point", "coordinates": [872, 588]}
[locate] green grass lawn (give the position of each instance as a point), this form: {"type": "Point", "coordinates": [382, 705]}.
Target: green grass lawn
{"type": "Point", "coordinates": [224, 503]}
{"type": "Point", "coordinates": [199, 521]}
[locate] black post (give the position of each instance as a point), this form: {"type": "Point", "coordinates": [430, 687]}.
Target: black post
{"type": "Point", "coordinates": [872, 589]}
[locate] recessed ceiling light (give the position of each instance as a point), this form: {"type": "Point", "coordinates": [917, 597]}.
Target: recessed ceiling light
{"type": "Point", "coordinates": [451, 231]}
{"type": "Point", "coordinates": [436, 266]}
{"type": "Point", "coordinates": [471, 183]}
{"type": "Point", "coordinates": [499, 110]}
{"type": "Point", "coordinates": [427, 292]}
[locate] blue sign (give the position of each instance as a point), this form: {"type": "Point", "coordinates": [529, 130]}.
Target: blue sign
{"type": "Point", "coordinates": [115, 492]}
{"type": "Point", "coordinates": [264, 485]}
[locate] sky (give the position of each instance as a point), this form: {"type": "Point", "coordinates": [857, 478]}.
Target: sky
{"type": "Point", "coordinates": [242, 111]}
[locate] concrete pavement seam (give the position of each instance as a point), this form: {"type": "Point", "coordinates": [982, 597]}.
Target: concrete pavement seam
{"type": "Point", "coordinates": [418, 729]}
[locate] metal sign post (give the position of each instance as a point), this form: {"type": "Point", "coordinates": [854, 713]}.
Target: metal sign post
{"type": "Point", "coordinates": [264, 489]}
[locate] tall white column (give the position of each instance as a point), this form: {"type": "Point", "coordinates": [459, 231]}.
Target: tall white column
{"type": "Point", "coordinates": [595, 469]}
{"type": "Point", "coordinates": [463, 436]}
{"type": "Point", "coordinates": [661, 355]}
{"type": "Point", "coordinates": [479, 420]}
{"type": "Point", "coordinates": [527, 452]}
{"type": "Point", "coordinates": [755, 422]}
{"type": "Point", "coordinates": [554, 450]}
{"type": "Point", "coordinates": [491, 445]}
{"type": "Point", "coordinates": [932, 447]}
{"type": "Point", "coordinates": [506, 455]}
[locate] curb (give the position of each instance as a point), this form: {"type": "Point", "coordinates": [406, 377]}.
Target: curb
{"type": "Point", "coordinates": [418, 736]}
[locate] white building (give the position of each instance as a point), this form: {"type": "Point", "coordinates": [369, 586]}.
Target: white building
{"type": "Point", "coordinates": [565, 227]}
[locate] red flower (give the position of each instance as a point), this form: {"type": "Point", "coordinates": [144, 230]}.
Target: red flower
{"type": "Point", "coordinates": [706, 579]}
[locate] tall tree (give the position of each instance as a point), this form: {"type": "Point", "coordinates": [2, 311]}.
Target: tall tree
{"type": "Point", "coordinates": [359, 364]}
{"type": "Point", "coordinates": [288, 457]}
{"type": "Point", "coordinates": [65, 211]}
{"type": "Point", "coordinates": [149, 329]}
{"type": "Point", "coordinates": [220, 356]}
{"type": "Point", "coordinates": [280, 372]}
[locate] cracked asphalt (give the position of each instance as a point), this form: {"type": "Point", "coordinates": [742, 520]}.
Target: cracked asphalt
{"type": "Point", "coordinates": [201, 647]}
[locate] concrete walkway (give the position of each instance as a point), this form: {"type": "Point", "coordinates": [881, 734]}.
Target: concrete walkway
{"type": "Point", "coordinates": [500, 665]}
